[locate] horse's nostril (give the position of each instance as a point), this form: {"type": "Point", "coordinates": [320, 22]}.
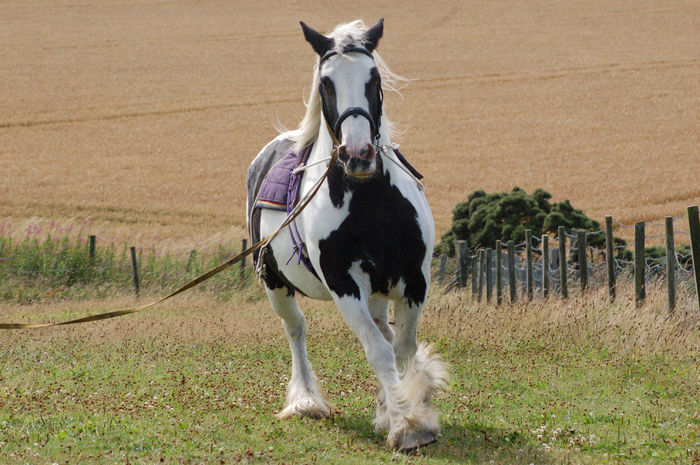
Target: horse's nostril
{"type": "Point", "coordinates": [370, 150]}
{"type": "Point", "coordinates": [343, 154]}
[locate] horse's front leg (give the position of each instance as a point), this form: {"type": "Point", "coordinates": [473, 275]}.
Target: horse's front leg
{"type": "Point", "coordinates": [422, 375]}
{"type": "Point", "coordinates": [379, 310]}
{"type": "Point", "coordinates": [405, 430]}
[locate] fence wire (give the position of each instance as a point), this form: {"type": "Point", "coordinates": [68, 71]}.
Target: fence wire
{"type": "Point", "coordinates": [655, 268]}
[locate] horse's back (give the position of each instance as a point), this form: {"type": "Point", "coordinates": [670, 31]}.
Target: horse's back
{"type": "Point", "coordinates": [261, 165]}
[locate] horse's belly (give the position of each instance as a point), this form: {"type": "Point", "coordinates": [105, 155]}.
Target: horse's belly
{"type": "Point", "coordinates": [288, 262]}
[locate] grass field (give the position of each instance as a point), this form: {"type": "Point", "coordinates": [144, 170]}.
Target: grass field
{"type": "Point", "coordinates": [142, 116]}
{"type": "Point", "coordinates": [198, 381]}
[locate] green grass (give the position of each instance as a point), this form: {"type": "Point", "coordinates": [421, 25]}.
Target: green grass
{"type": "Point", "coordinates": [39, 268]}
{"type": "Point", "coordinates": [199, 382]}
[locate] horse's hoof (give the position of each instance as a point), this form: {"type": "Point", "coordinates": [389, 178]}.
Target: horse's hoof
{"type": "Point", "coordinates": [306, 407]}
{"type": "Point", "coordinates": [411, 440]}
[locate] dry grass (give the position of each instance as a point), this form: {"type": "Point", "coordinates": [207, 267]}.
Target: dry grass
{"type": "Point", "coordinates": [581, 321]}
{"type": "Point", "coordinates": [143, 116]}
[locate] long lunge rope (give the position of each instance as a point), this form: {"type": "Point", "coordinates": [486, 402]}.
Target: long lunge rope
{"type": "Point", "coordinates": [198, 280]}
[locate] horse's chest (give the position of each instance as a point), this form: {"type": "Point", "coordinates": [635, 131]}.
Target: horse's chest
{"type": "Point", "coordinates": [374, 231]}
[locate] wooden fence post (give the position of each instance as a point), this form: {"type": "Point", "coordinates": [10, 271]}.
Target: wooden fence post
{"type": "Point", "coordinates": [482, 272]}
{"type": "Point", "coordinates": [511, 271]}
{"type": "Point", "coordinates": [582, 259]}
{"type": "Point", "coordinates": [489, 275]}
{"type": "Point", "coordinates": [694, 226]}
{"type": "Point", "coordinates": [461, 256]}
{"type": "Point", "coordinates": [609, 256]}
{"type": "Point", "coordinates": [563, 267]}
{"type": "Point", "coordinates": [190, 260]}
{"type": "Point", "coordinates": [475, 273]}
{"type": "Point", "coordinates": [499, 273]}
{"type": "Point", "coordinates": [244, 246]}
{"type": "Point", "coordinates": [134, 267]}
{"type": "Point", "coordinates": [670, 265]}
{"type": "Point", "coordinates": [639, 266]}
{"type": "Point", "coordinates": [545, 265]}
{"type": "Point", "coordinates": [528, 263]}
{"type": "Point", "coordinates": [443, 268]}
{"type": "Point", "coordinates": [91, 249]}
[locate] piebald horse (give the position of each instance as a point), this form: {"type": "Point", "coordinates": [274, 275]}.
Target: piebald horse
{"type": "Point", "coordinates": [365, 239]}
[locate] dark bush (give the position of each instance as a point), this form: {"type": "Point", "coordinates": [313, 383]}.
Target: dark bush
{"type": "Point", "coordinates": [485, 218]}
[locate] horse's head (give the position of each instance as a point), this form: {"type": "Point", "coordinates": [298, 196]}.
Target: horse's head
{"type": "Point", "coordinates": [350, 90]}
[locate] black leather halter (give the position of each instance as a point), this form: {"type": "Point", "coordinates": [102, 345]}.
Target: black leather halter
{"type": "Point", "coordinates": [374, 121]}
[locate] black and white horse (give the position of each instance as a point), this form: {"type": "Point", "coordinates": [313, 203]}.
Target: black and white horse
{"type": "Point", "coordinates": [365, 239]}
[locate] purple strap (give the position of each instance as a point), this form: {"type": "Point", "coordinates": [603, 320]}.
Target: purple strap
{"type": "Point", "coordinates": [292, 194]}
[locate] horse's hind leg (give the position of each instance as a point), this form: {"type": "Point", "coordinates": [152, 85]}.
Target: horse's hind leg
{"type": "Point", "coordinates": [303, 396]}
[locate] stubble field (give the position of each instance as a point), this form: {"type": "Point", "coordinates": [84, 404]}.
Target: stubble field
{"type": "Point", "coordinates": [142, 117]}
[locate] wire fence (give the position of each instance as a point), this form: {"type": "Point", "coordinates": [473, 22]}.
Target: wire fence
{"type": "Point", "coordinates": [537, 266]}
{"type": "Point", "coordinates": [546, 265]}
{"type": "Point", "coordinates": [31, 269]}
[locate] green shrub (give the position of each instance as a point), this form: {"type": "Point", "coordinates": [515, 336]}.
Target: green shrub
{"type": "Point", "coordinates": [485, 218]}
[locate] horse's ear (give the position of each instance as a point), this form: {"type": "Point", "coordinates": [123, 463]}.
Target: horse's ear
{"type": "Point", "coordinates": [318, 41]}
{"type": "Point", "coordinates": [373, 35]}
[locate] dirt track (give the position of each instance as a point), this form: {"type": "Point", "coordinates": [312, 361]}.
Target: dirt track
{"type": "Point", "coordinates": [143, 116]}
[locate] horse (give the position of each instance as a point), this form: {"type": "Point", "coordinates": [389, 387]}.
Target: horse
{"type": "Point", "coordinates": [364, 239]}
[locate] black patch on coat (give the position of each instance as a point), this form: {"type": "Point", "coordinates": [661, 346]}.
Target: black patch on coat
{"type": "Point", "coordinates": [329, 101]}
{"type": "Point", "coordinates": [271, 274]}
{"type": "Point", "coordinates": [381, 232]}
{"type": "Point", "coordinates": [373, 93]}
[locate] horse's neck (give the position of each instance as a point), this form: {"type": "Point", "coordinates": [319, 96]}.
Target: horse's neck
{"type": "Point", "coordinates": [323, 146]}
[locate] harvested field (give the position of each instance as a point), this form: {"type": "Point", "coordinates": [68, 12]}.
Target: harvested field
{"type": "Point", "coordinates": [142, 117]}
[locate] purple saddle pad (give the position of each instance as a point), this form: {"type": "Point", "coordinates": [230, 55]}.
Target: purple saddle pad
{"type": "Point", "coordinates": [281, 181]}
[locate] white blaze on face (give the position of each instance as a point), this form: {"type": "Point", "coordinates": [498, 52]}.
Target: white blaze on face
{"type": "Point", "coordinates": [350, 75]}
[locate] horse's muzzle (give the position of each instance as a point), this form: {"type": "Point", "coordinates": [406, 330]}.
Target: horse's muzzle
{"type": "Point", "coordinates": [359, 160]}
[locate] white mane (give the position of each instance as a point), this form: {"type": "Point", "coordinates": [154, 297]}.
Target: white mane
{"type": "Point", "coordinates": [343, 35]}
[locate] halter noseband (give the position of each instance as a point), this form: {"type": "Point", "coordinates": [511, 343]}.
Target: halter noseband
{"type": "Point", "coordinates": [374, 121]}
